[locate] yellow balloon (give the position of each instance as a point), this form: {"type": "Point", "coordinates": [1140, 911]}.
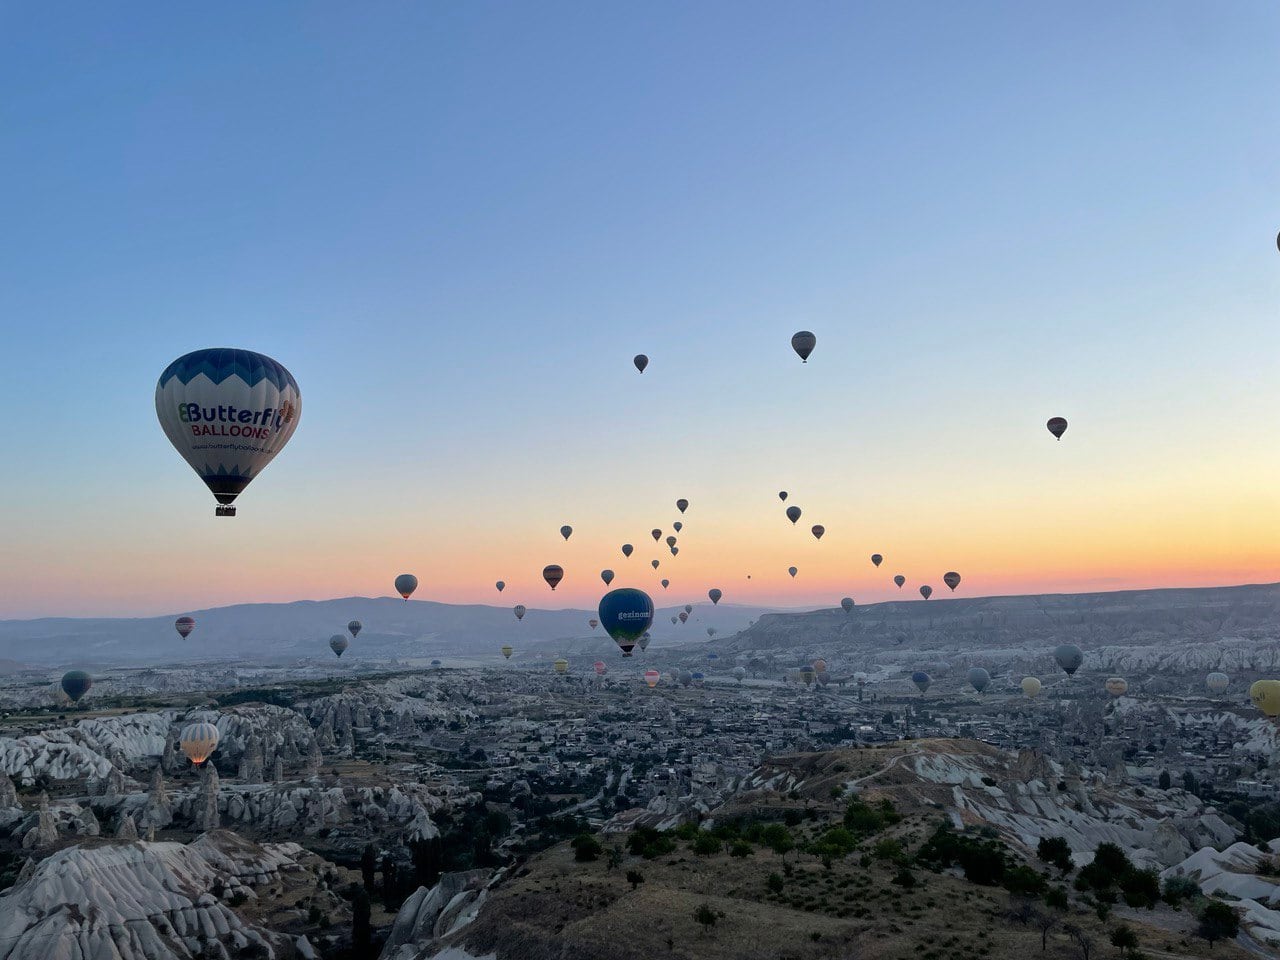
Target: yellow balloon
{"type": "Point", "coordinates": [562, 665]}
{"type": "Point", "coordinates": [1031, 687]}
{"type": "Point", "coordinates": [1116, 686]}
{"type": "Point", "coordinates": [507, 651]}
{"type": "Point", "coordinates": [1265, 695]}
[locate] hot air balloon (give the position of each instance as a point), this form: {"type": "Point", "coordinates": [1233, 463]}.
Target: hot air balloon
{"type": "Point", "coordinates": [566, 531]}
{"type": "Point", "coordinates": [713, 657]}
{"type": "Point", "coordinates": [1116, 686]}
{"type": "Point", "coordinates": [184, 626]}
{"type": "Point", "coordinates": [1265, 695]}
{"type": "Point", "coordinates": [793, 513]}
{"type": "Point", "coordinates": [354, 628]}
{"type": "Point", "coordinates": [338, 643]}
{"type": "Point", "coordinates": [600, 668]}
{"type": "Point", "coordinates": [1069, 657]}
{"type": "Point", "coordinates": [793, 571]}
{"type": "Point", "coordinates": [877, 559]}
{"type": "Point", "coordinates": [926, 591]}
{"type": "Point", "coordinates": [860, 679]}
{"type": "Point", "coordinates": [674, 621]}
{"type": "Point", "coordinates": [921, 680]}
{"type": "Point", "coordinates": [436, 664]}
{"type": "Point", "coordinates": [593, 623]}
{"type": "Point", "coordinates": [818, 530]}
{"type": "Point", "coordinates": [715, 595]}
{"type": "Point", "coordinates": [507, 651]}
{"type": "Point", "coordinates": [665, 584]}
{"type": "Point", "coordinates": [406, 583]}
{"type": "Point", "coordinates": [656, 534]}
{"type": "Point", "coordinates": [697, 678]}
{"type": "Point", "coordinates": [979, 678]}
{"type": "Point", "coordinates": [562, 665]}
{"type": "Point", "coordinates": [643, 642]}
{"type": "Point", "coordinates": [501, 585]}
{"type": "Point", "coordinates": [651, 677]}
{"type": "Point", "coordinates": [820, 665]}
{"type": "Point", "coordinates": [671, 541]}
{"type": "Point", "coordinates": [688, 607]}
{"type": "Point", "coordinates": [952, 580]}
{"type": "Point", "coordinates": [683, 616]}
{"type": "Point", "coordinates": [228, 413]}
{"type": "Point", "coordinates": [674, 551]}
{"type": "Point", "coordinates": [803, 342]}
{"type": "Point", "coordinates": [899, 580]}
{"type": "Point", "coordinates": [1057, 426]}
{"type": "Point", "coordinates": [75, 684]}
{"type": "Point", "coordinates": [1217, 682]}
{"type": "Point", "coordinates": [198, 740]}
{"type": "Point", "coordinates": [654, 563]}
{"type": "Point", "coordinates": [626, 615]}
{"type": "Point", "coordinates": [846, 604]}
{"type": "Point", "coordinates": [519, 610]}
{"type": "Point", "coordinates": [552, 573]}
{"type": "Point", "coordinates": [677, 526]}
{"type": "Point", "coordinates": [1030, 687]}
{"type": "Point", "coordinates": [711, 631]}
{"type": "Point", "coordinates": [626, 549]}
{"type": "Point", "coordinates": [807, 673]}
{"type": "Point", "coordinates": [606, 576]}
{"type": "Point", "coordinates": [682, 504]}
{"type": "Point", "coordinates": [782, 495]}
{"type": "Point", "coordinates": [641, 361]}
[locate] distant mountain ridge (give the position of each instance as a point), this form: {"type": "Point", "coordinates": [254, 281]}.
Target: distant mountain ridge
{"type": "Point", "coordinates": [265, 632]}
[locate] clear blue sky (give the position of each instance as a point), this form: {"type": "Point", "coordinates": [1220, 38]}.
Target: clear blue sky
{"type": "Point", "coordinates": [456, 223]}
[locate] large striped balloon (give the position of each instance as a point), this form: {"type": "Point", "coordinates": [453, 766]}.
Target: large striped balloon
{"type": "Point", "coordinates": [198, 740]}
{"type": "Point", "coordinates": [228, 412]}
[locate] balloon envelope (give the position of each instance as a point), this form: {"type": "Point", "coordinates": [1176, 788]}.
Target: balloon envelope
{"type": "Point", "coordinates": [1069, 657]}
{"type": "Point", "coordinates": [1030, 687]}
{"type": "Point", "coordinates": [818, 530]}
{"type": "Point", "coordinates": [406, 583]}
{"type": "Point", "coordinates": [739, 673]}
{"type": "Point", "coordinates": [793, 513]}
{"type": "Point", "coordinates": [715, 595]}
{"type": "Point", "coordinates": [1057, 426]}
{"type": "Point", "coordinates": [562, 665]}
{"type": "Point", "coordinates": [793, 571]}
{"type": "Point", "coordinates": [899, 580]}
{"type": "Point", "coordinates": [846, 604]}
{"type": "Point", "coordinates": [626, 549]}
{"type": "Point", "coordinates": [1265, 695]}
{"type": "Point", "coordinates": [677, 526]}
{"type": "Point", "coordinates": [979, 678]}
{"type": "Point", "coordinates": [198, 740]}
{"type": "Point", "coordinates": [651, 677]}
{"type": "Point", "coordinates": [926, 591]}
{"type": "Point", "coordinates": [951, 579]}
{"type": "Point", "coordinates": [354, 628]}
{"type": "Point", "coordinates": [1217, 682]}
{"type": "Point", "coordinates": [803, 342]}
{"type": "Point", "coordinates": [626, 614]}
{"type": "Point", "coordinates": [184, 626]}
{"type": "Point", "coordinates": [606, 576]}
{"type": "Point", "coordinates": [566, 531]}
{"type": "Point", "coordinates": [600, 668]}
{"type": "Point", "coordinates": [921, 680]}
{"type": "Point", "coordinates": [782, 495]}
{"type": "Point", "coordinates": [501, 585]}
{"type": "Point", "coordinates": [683, 616]}
{"type": "Point", "coordinates": [507, 651]}
{"type": "Point", "coordinates": [1116, 686]}
{"type": "Point", "coordinates": [641, 361]}
{"type": "Point", "coordinates": [228, 413]}
{"type": "Point", "coordinates": [877, 559]}
{"type": "Point", "coordinates": [338, 643]}
{"type": "Point", "coordinates": [519, 610]}
{"type": "Point", "coordinates": [682, 504]}
{"type": "Point", "coordinates": [75, 684]}
{"type": "Point", "coordinates": [665, 584]}
{"type": "Point", "coordinates": [553, 573]}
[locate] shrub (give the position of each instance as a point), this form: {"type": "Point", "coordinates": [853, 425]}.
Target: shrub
{"type": "Point", "coordinates": [741, 848]}
{"type": "Point", "coordinates": [705, 845]}
{"type": "Point", "coordinates": [586, 848]}
{"type": "Point", "coordinates": [1177, 889]}
{"type": "Point", "coordinates": [1023, 881]}
{"type": "Point", "coordinates": [649, 843]}
{"type": "Point", "coordinates": [774, 883]}
{"type": "Point", "coordinates": [1055, 850]}
{"type": "Point", "coordinates": [1218, 922]}
{"type": "Point", "coordinates": [635, 878]}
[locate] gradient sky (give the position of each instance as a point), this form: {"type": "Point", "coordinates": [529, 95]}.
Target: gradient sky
{"type": "Point", "coordinates": [456, 223]}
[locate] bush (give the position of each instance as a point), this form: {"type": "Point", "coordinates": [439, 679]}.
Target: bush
{"type": "Point", "coordinates": [1141, 888]}
{"type": "Point", "coordinates": [586, 848]}
{"type": "Point", "coordinates": [778, 839]}
{"type": "Point", "coordinates": [1056, 897]}
{"type": "Point", "coordinates": [1177, 889]}
{"type": "Point", "coordinates": [635, 878]}
{"type": "Point", "coordinates": [862, 819]}
{"type": "Point", "coordinates": [774, 883]}
{"type": "Point", "coordinates": [1023, 881]}
{"type": "Point", "coordinates": [649, 843]}
{"type": "Point", "coordinates": [1218, 922]}
{"type": "Point", "coordinates": [889, 849]}
{"type": "Point", "coordinates": [1055, 850]}
{"type": "Point", "coordinates": [705, 845]}
{"type": "Point", "coordinates": [741, 849]}
{"type": "Point", "coordinates": [904, 878]}
{"type": "Point", "coordinates": [835, 842]}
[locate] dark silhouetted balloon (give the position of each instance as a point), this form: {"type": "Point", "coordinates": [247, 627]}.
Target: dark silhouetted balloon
{"type": "Point", "coordinates": [846, 604]}
{"type": "Point", "coordinates": [683, 616]}
{"type": "Point", "coordinates": [952, 580]}
{"type": "Point", "coordinates": [626, 549]}
{"type": "Point", "coordinates": [677, 526]}
{"type": "Point", "coordinates": [1057, 426]}
{"type": "Point", "coordinates": [354, 627]}
{"type": "Point", "coordinates": [877, 559]}
{"type": "Point", "coordinates": [338, 643]}
{"type": "Point", "coordinates": [1068, 657]}
{"type": "Point", "coordinates": [641, 361]}
{"type": "Point", "coordinates": [715, 594]}
{"type": "Point", "coordinates": [926, 591]}
{"type": "Point", "coordinates": [782, 495]}
{"type": "Point", "coordinates": [519, 611]}
{"type": "Point", "coordinates": [184, 626]}
{"type": "Point", "coordinates": [656, 534]}
{"type": "Point", "coordinates": [593, 623]}
{"type": "Point", "coordinates": [654, 563]}
{"type": "Point", "coordinates": [75, 684]}
{"type": "Point", "coordinates": [803, 342]}
{"type": "Point", "coordinates": [501, 585]}
{"type": "Point", "coordinates": [793, 513]}
{"type": "Point", "coordinates": [553, 573]}
{"type": "Point", "coordinates": [682, 504]}
{"type": "Point", "coordinates": [818, 530]}
{"type": "Point", "coordinates": [979, 679]}
{"type": "Point", "coordinates": [899, 580]}
{"type": "Point", "coordinates": [793, 571]}
{"type": "Point", "coordinates": [566, 531]}
{"type": "Point", "coordinates": [688, 607]}
{"type": "Point", "coordinates": [626, 615]}
{"type": "Point", "coordinates": [671, 541]}
{"type": "Point", "coordinates": [606, 576]}
{"type": "Point", "coordinates": [921, 680]}
{"type": "Point", "coordinates": [665, 584]}
{"type": "Point", "coordinates": [406, 583]}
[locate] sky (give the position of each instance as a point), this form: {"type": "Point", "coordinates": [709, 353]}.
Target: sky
{"type": "Point", "coordinates": [456, 223]}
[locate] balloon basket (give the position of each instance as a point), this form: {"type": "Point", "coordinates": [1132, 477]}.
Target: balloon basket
{"type": "Point", "coordinates": [224, 510]}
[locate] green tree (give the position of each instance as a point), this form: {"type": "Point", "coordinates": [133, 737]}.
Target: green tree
{"type": "Point", "coordinates": [586, 848]}
{"type": "Point", "coordinates": [1055, 850]}
{"type": "Point", "coordinates": [1124, 939]}
{"type": "Point", "coordinates": [778, 839]}
{"type": "Point", "coordinates": [635, 878]}
{"type": "Point", "coordinates": [705, 845]}
{"type": "Point", "coordinates": [1165, 781]}
{"type": "Point", "coordinates": [614, 857]}
{"type": "Point", "coordinates": [1056, 897]}
{"type": "Point", "coordinates": [1218, 922]}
